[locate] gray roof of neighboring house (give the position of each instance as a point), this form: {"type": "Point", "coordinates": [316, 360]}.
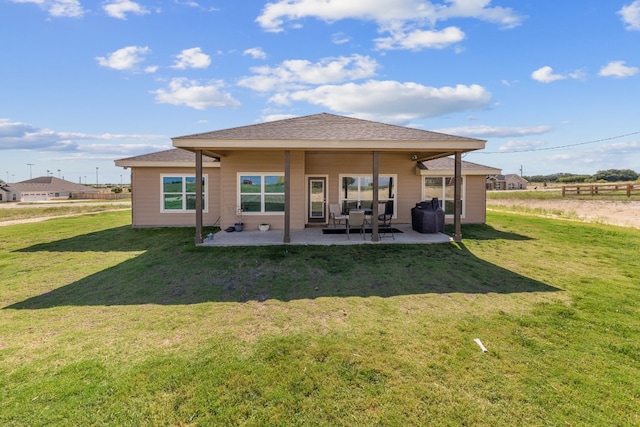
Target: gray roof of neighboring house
{"type": "Point", "coordinates": [325, 126]}
{"type": "Point", "coordinates": [51, 184]}
{"type": "Point", "coordinates": [510, 175]}
{"type": "Point", "coordinates": [447, 163]}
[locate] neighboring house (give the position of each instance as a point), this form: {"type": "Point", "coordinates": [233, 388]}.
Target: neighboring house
{"type": "Point", "coordinates": [326, 158]}
{"type": "Point", "coordinates": [8, 193]}
{"type": "Point", "coordinates": [510, 181]}
{"type": "Point", "coordinates": [47, 188]}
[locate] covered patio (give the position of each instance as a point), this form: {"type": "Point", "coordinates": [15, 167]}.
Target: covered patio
{"type": "Point", "coordinates": [283, 159]}
{"type": "Point", "coordinates": [315, 236]}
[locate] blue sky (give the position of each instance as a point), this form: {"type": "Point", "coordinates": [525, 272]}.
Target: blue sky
{"type": "Point", "coordinates": [553, 86]}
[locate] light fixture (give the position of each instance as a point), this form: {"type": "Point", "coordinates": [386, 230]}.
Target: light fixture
{"type": "Point", "coordinates": [414, 157]}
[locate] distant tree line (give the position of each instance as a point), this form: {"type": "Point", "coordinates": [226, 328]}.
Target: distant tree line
{"type": "Point", "coordinates": [609, 175]}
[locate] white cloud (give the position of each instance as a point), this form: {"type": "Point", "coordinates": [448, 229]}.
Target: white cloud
{"type": "Point", "coordinates": [383, 12]}
{"type": "Point", "coordinates": [631, 15]}
{"type": "Point", "coordinates": [190, 93]}
{"type": "Point", "coordinates": [618, 69]}
{"type": "Point", "coordinates": [484, 131]}
{"type": "Point", "coordinates": [126, 58]}
{"type": "Point", "coordinates": [24, 136]}
{"type": "Point", "coordinates": [390, 100]}
{"type": "Point", "coordinates": [340, 38]}
{"type": "Point", "coordinates": [255, 53]}
{"type": "Point", "coordinates": [119, 8]}
{"type": "Point", "coordinates": [58, 8]}
{"type": "Point", "coordinates": [419, 39]}
{"type": "Point", "coordinates": [404, 20]}
{"type": "Point", "coordinates": [299, 73]}
{"type": "Point", "coordinates": [516, 146]}
{"type": "Point", "coordinates": [192, 58]}
{"type": "Point", "coordinates": [546, 75]}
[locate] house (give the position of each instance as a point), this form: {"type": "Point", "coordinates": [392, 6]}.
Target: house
{"type": "Point", "coordinates": [510, 181]}
{"type": "Point", "coordinates": [287, 172]}
{"type": "Point", "coordinates": [46, 188]}
{"type": "Point", "coordinates": [8, 193]}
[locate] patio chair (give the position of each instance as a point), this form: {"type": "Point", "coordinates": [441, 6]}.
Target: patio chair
{"type": "Point", "coordinates": [356, 220]}
{"type": "Point", "coordinates": [385, 213]}
{"type": "Point", "coordinates": [335, 213]}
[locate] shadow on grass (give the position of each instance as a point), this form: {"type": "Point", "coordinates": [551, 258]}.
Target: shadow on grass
{"type": "Point", "coordinates": [171, 270]}
{"type": "Point", "coordinates": [485, 232]}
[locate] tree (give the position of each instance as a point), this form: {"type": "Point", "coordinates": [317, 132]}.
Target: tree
{"type": "Point", "coordinates": [615, 175]}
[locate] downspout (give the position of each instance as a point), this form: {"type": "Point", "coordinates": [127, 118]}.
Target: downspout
{"type": "Point", "coordinates": [198, 238]}
{"type": "Point", "coordinates": [457, 192]}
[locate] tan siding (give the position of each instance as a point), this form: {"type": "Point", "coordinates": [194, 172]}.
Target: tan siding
{"type": "Point", "coordinates": [146, 198]}
{"type": "Point", "coordinates": [475, 200]}
{"type": "Point", "coordinates": [334, 164]}
{"type": "Point", "coordinates": [260, 162]}
{"type": "Point", "coordinates": [223, 186]}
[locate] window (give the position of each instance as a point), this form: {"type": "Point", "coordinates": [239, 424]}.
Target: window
{"type": "Point", "coordinates": [179, 193]}
{"type": "Point", "coordinates": [261, 193]}
{"type": "Point", "coordinates": [357, 191]}
{"type": "Point", "coordinates": [443, 188]}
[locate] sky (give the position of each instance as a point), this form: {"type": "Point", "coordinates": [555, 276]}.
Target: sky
{"type": "Point", "coordinates": [553, 86]}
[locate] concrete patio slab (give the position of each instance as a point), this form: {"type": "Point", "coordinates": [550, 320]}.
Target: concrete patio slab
{"type": "Point", "coordinates": [314, 236]}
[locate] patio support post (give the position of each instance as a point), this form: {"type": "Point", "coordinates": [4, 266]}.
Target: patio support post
{"type": "Point", "coordinates": [287, 196]}
{"type": "Point", "coordinates": [375, 235]}
{"type": "Point", "coordinates": [198, 196]}
{"type": "Point", "coordinates": [457, 193]}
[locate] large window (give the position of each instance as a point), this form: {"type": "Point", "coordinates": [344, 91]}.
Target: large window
{"type": "Point", "coordinates": [442, 187]}
{"type": "Point", "coordinates": [356, 191]}
{"type": "Point", "coordinates": [179, 193]}
{"type": "Point", "coordinates": [261, 193]}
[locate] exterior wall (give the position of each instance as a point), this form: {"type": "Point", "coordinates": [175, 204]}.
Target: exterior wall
{"type": "Point", "coordinates": [515, 183]}
{"type": "Point", "coordinates": [146, 198]}
{"type": "Point", "coordinates": [261, 162]}
{"type": "Point", "coordinates": [475, 200]}
{"type": "Point", "coordinates": [223, 187]}
{"type": "Point", "coordinates": [400, 164]}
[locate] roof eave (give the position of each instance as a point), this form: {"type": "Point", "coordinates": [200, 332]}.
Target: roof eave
{"type": "Point", "coordinates": [124, 163]}
{"type": "Point", "coordinates": [330, 145]}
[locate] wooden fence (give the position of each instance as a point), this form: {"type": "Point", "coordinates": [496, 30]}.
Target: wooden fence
{"type": "Point", "coordinates": [601, 190]}
{"type": "Point", "coordinates": [101, 196]}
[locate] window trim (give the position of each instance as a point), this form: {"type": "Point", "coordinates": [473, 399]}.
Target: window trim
{"type": "Point", "coordinates": [442, 199]}
{"type": "Point", "coordinates": [261, 194]}
{"type": "Point", "coordinates": [341, 198]}
{"type": "Point", "coordinates": [184, 209]}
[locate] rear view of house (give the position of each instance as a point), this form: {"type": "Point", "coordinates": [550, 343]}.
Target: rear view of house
{"type": "Point", "coordinates": [286, 173]}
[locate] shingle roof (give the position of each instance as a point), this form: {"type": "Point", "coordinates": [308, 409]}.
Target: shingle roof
{"type": "Point", "coordinates": [325, 127]}
{"type": "Point", "coordinates": [51, 184]}
{"type": "Point", "coordinates": [448, 164]}
{"type": "Point", "coordinates": [172, 155]}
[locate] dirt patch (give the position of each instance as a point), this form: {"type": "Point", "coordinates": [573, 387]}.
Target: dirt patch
{"type": "Point", "coordinates": [626, 214]}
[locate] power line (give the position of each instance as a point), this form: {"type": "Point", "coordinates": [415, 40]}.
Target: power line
{"type": "Point", "coordinates": [561, 146]}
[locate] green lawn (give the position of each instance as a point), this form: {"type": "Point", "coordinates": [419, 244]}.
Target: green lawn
{"type": "Point", "coordinates": [104, 325]}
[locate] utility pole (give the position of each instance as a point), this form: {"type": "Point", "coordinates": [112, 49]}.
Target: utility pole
{"type": "Point", "coordinates": [30, 165]}
{"type": "Point", "coordinates": [96, 176]}
{"type": "Point", "coordinates": [58, 173]}
{"type": "Point", "coordinates": [521, 170]}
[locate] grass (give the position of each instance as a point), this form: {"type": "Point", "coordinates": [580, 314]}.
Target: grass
{"type": "Point", "coordinates": [41, 210]}
{"type": "Point", "coordinates": [105, 325]}
{"type": "Point", "coordinates": [556, 194]}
